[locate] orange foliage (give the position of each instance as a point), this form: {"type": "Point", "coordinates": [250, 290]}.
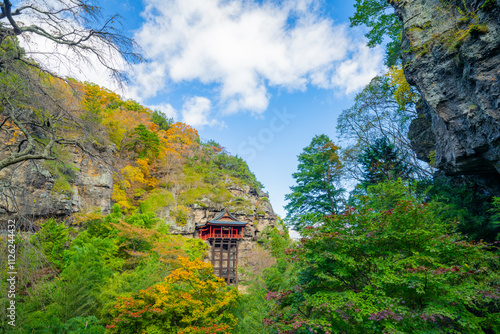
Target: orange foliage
{"type": "Point", "coordinates": [135, 240]}
{"type": "Point", "coordinates": [121, 119]}
{"type": "Point", "coordinates": [182, 139]}
{"type": "Point", "coordinates": [190, 300]}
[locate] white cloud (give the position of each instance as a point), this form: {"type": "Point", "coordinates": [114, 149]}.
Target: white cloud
{"type": "Point", "coordinates": [244, 48]}
{"type": "Point", "coordinates": [355, 73]}
{"type": "Point", "coordinates": [196, 112]}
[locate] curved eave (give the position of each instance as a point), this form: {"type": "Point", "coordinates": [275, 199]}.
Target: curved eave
{"type": "Point", "coordinates": [212, 223]}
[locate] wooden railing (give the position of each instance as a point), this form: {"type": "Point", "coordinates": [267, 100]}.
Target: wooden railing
{"type": "Point", "coordinates": [219, 235]}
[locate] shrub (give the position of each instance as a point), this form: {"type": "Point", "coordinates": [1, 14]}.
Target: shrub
{"type": "Point", "coordinates": [389, 266]}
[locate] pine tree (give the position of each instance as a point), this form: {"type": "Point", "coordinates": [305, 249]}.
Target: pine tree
{"type": "Point", "coordinates": [382, 161]}
{"type": "Point", "coordinates": [317, 192]}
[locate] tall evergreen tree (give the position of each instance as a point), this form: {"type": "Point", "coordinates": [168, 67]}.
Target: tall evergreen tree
{"type": "Point", "coordinates": [317, 192]}
{"type": "Point", "coordinates": [382, 161]}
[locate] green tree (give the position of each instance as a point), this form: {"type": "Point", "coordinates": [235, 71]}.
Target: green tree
{"type": "Point", "coordinates": [390, 265]}
{"type": "Point", "coordinates": [144, 142]}
{"type": "Point", "coordinates": [53, 238]}
{"type": "Point", "coordinates": [161, 120]}
{"type": "Point", "coordinates": [382, 161]}
{"type": "Point", "coordinates": [236, 167]}
{"type": "Point", "coordinates": [376, 15]}
{"type": "Point", "coordinates": [461, 200]}
{"type": "Point", "coordinates": [317, 191]}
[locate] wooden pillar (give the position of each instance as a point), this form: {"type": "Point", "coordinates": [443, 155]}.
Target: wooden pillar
{"type": "Point", "coordinates": [213, 253]}
{"type": "Point", "coordinates": [228, 276]}
{"type": "Point", "coordinates": [236, 264]}
{"type": "Point", "coordinates": [220, 258]}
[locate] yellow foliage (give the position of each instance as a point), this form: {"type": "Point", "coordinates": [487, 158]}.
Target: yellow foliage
{"type": "Point", "coordinates": [135, 182]}
{"type": "Point", "coordinates": [145, 167]}
{"type": "Point", "coordinates": [120, 197]}
{"type": "Point", "coordinates": [181, 138]}
{"type": "Point", "coordinates": [133, 175]}
{"type": "Point", "coordinates": [82, 217]}
{"type": "Point", "coordinates": [403, 94]}
{"type": "Point", "coordinates": [190, 300]}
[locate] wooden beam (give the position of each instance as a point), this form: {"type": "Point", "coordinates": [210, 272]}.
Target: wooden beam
{"type": "Point", "coordinates": [220, 259]}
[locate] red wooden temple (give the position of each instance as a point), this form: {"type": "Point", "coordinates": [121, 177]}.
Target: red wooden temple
{"type": "Point", "coordinates": [223, 233]}
{"type": "Point", "coordinates": [225, 225]}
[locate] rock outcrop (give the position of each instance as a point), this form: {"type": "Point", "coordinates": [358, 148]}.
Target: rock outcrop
{"type": "Point", "coordinates": [452, 56]}
{"type": "Point", "coordinates": [29, 189]}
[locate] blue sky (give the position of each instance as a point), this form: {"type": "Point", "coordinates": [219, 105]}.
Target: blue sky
{"type": "Point", "coordinates": [259, 77]}
{"type": "Point", "coordinates": [219, 66]}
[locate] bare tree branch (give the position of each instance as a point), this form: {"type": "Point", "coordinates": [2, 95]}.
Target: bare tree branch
{"type": "Point", "coordinates": [68, 27]}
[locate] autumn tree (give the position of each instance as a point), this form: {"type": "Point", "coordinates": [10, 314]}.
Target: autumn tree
{"type": "Point", "coordinates": [190, 300]}
{"type": "Point", "coordinates": [317, 191]}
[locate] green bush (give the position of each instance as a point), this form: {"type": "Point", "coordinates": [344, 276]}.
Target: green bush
{"type": "Point", "coordinates": [53, 238]}
{"type": "Point", "coordinates": [389, 266]}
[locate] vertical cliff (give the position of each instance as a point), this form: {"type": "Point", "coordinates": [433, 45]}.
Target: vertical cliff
{"type": "Point", "coordinates": [36, 189]}
{"type": "Point", "coordinates": [451, 54]}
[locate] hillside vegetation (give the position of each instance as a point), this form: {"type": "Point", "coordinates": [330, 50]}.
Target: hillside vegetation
{"type": "Point", "coordinates": [120, 271]}
{"type": "Point", "coordinates": [397, 234]}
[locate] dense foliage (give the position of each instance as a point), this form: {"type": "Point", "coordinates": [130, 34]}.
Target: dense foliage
{"type": "Point", "coordinates": [89, 275]}
{"type": "Point", "coordinates": [382, 161]}
{"type": "Point", "coordinates": [391, 264]}
{"type": "Point", "coordinates": [190, 300]}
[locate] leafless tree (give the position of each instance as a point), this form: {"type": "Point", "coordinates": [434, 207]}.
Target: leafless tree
{"type": "Point", "coordinates": [71, 24]}
{"type": "Point", "coordinates": [376, 114]}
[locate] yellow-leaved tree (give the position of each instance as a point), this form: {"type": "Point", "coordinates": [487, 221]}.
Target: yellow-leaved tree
{"type": "Point", "coordinates": [190, 300]}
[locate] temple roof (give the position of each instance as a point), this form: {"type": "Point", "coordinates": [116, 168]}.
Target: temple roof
{"type": "Point", "coordinates": [226, 218]}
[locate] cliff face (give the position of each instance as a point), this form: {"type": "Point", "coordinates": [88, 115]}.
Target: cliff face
{"type": "Point", "coordinates": [451, 53]}
{"type": "Point", "coordinates": [31, 190]}
{"type": "Point", "coordinates": [258, 212]}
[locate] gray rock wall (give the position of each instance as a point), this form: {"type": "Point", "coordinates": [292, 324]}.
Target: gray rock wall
{"type": "Point", "coordinates": [259, 215]}
{"type": "Point", "coordinates": [454, 61]}
{"type": "Point", "coordinates": [28, 188]}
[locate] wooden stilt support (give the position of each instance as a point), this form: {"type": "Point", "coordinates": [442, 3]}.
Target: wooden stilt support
{"type": "Point", "coordinates": [221, 257]}
{"type": "Point", "coordinates": [236, 264]}
{"type": "Point", "coordinates": [228, 274]}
